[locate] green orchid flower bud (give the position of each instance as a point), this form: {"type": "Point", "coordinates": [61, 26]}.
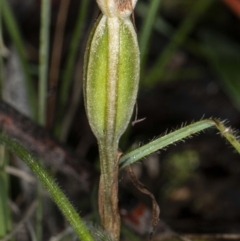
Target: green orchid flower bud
{"type": "Point", "coordinates": [111, 76]}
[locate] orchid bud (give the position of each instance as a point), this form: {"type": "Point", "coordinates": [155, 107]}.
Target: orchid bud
{"type": "Point", "coordinates": [111, 75]}
{"type": "Point", "coordinates": [117, 8]}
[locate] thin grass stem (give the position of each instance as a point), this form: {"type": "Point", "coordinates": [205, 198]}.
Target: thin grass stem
{"type": "Point", "coordinates": [56, 59]}
{"type": "Point", "coordinates": [42, 95]}
{"type": "Point", "coordinates": [70, 63]}
{"type": "Point", "coordinates": [43, 61]}
{"type": "Point", "coordinates": [146, 30]}
{"type": "Point", "coordinates": [13, 30]}
{"type": "Point", "coordinates": [160, 24]}
{"type": "Point", "coordinates": [57, 195]}
{"type": "Point", "coordinates": [5, 219]}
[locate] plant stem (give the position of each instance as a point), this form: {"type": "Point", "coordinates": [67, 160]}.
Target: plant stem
{"type": "Point", "coordinates": [146, 30]}
{"type": "Point", "coordinates": [4, 209]}
{"type": "Point", "coordinates": [42, 95]}
{"type": "Point", "coordinates": [108, 189]}
{"type": "Point", "coordinates": [64, 119]}
{"type": "Point", "coordinates": [56, 60]}
{"type": "Point", "coordinates": [5, 217]}
{"type": "Point", "coordinates": [57, 195]}
{"type": "Point", "coordinates": [43, 61]}
{"type": "Point", "coordinates": [69, 70]}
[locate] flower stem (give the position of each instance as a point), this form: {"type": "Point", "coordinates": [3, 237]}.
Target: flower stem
{"type": "Point", "coordinates": [108, 189]}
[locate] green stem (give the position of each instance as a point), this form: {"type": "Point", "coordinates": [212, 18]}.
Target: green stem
{"type": "Point", "coordinates": [39, 212]}
{"type": "Point", "coordinates": [57, 195]}
{"type": "Point", "coordinates": [5, 218]}
{"type": "Point", "coordinates": [159, 25]}
{"type": "Point", "coordinates": [42, 94]}
{"type": "Point", "coordinates": [146, 30]}
{"type": "Point", "coordinates": [43, 61]}
{"type": "Point", "coordinates": [3, 201]}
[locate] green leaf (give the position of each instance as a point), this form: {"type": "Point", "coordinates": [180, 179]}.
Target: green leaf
{"type": "Point", "coordinates": [176, 136]}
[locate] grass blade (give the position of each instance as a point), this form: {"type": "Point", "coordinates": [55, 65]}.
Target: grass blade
{"type": "Point", "coordinates": [71, 58]}
{"type": "Point", "coordinates": [176, 136]}
{"type": "Point", "coordinates": [42, 95]}
{"type": "Point", "coordinates": [57, 195]}
{"type": "Point", "coordinates": [5, 217]}
{"type": "Point", "coordinates": [15, 35]}
{"type": "Point", "coordinates": [43, 61]}
{"type": "Point", "coordinates": [146, 30]}
{"type": "Point", "coordinates": [160, 24]}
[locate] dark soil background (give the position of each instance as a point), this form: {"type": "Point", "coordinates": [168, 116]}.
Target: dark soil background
{"type": "Point", "coordinates": [196, 182]}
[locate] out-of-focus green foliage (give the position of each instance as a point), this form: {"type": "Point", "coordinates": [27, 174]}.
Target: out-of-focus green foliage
{"type": "Point", "coordinates": [223, 55]}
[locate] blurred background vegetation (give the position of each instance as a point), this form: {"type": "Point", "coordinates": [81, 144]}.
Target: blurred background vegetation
{"type": "Point", "coordinates": [190, 69]}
